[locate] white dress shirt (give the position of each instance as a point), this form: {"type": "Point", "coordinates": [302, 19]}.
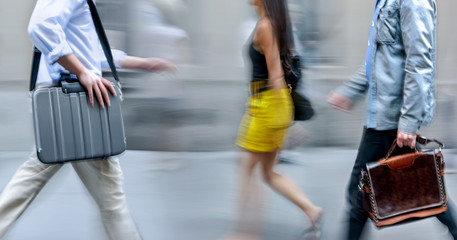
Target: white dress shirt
{"type": "Point", "coordinates": [62, 27]}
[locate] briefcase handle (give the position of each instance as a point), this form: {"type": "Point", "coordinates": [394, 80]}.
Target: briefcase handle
{"type": "Point", "coordinates": [419, 139]}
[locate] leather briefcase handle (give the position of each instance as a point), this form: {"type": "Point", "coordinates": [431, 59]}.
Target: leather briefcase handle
{"type": "Point", "coordinates": [419, 139]}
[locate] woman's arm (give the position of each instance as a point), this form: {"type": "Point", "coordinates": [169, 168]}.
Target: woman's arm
{"type": "Point", "coordinates": [269, 45]}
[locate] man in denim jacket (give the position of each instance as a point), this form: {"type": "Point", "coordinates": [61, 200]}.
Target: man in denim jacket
{"type": "Point", "coordinates": [399, 79]}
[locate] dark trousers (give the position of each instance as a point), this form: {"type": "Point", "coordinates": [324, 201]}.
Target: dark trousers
{"type": "Point", "coordinates": [374, 146]}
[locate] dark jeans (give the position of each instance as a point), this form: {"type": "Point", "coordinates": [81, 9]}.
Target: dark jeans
{"type": "Point", "coordinates": [374, 146]}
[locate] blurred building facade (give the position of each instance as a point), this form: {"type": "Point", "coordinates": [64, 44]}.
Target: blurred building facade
{"type": "Point", "coordinates": [339, 28]}
{"type": "Point", "coordinates": [202, 37]}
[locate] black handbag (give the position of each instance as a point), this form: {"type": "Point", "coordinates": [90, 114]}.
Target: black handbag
{"type": "Point", "coordinates": [303, 109]}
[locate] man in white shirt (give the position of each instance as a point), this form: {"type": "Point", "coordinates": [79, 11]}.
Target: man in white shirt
{"type": "Point", "coordinates": [64, 32]}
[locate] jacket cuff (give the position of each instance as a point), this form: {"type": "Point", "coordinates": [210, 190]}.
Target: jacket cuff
{"type": "Point", "coordinates": [408, 127]}
{"type": "Point", "coordinates": [61, 50]}
{"type": "Point", "coordinates": [347, 92]}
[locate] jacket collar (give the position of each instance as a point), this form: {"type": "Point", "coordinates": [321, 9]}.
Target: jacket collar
{"type": "Point", "coordinates": [381, 4]}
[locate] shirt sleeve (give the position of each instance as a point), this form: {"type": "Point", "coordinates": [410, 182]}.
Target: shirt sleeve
{"type": "Point", "coordinates": [417, 22]}
{"type": "Point", "coordinates": [356, 86]}
{"type": "Point", "coordinates": [118, 59]}
{"type": "Point", "coordinates": [47, 24]}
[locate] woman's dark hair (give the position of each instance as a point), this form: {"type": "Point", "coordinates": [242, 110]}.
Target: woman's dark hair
{"type": "Point", "coordinates": [278, 14]}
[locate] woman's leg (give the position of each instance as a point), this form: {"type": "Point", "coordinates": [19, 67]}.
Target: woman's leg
{"type": "Point", "coordinates": [249, 195]}
{"type": "Point", "coordinates": [247, 220]}
{"type": "Point", "coordinates": [286, 188]}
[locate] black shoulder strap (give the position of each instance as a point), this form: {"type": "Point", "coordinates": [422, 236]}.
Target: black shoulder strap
{"type": "Point", "coordinates": [103, 40]}
{"type": "Point", "coordinates": [35, 65]}
{"type": "Point", "coordinates": [102, 36]}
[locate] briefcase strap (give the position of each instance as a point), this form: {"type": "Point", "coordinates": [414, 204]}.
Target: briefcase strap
{"type": "Point", "coordinates": [424, 141]}
{"type": "Point", "coordinates": [35, 65]}
{"type": "Point", "coordinates": [103, 40]}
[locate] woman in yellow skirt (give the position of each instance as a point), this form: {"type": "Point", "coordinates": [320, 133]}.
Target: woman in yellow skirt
{"type": "Point", "coordinates": [269, 110]}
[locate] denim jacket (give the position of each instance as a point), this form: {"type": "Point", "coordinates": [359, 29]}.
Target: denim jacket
{"type": "Point", "coordinates": [401, 85]}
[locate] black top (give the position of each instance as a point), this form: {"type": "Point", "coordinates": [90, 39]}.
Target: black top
{"type": "Point", "coordinates": [259, 64]}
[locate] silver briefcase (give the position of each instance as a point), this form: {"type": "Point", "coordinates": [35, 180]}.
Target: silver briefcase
{"type": "Point", "coordinates": [68, 128]}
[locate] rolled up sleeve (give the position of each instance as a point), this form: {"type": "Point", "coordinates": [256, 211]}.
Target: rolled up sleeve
{"type": "Point", "coordinates": [46, 27]}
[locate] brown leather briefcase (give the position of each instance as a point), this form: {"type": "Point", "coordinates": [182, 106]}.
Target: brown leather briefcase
{"type": "Point", "coordinates": [405, 187]}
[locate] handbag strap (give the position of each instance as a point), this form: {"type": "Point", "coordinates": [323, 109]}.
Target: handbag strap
{"type": "Point", "coordinates": [101, 36]}
{"type": "Point", "coordinates": [419, 139]}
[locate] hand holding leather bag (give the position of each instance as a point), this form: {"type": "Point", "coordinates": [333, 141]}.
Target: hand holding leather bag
{"type": "Point", "coordinates": [405, 187]}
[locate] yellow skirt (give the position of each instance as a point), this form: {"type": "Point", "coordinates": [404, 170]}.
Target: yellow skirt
{"type": "Point", "coordinates": [266, 121]}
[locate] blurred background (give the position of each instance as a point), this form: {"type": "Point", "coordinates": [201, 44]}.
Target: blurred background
{"type": "Point", "coordinates": [199, 108]}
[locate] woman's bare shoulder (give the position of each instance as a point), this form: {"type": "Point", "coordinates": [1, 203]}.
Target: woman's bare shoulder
{"type": "Point", "coordinates": [264, 25]}
{"type": "Point", "coordinates": [264, 30]}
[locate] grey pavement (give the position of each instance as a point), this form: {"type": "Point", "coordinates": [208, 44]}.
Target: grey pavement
{"type": "Point", "coordinates": [191, 195]}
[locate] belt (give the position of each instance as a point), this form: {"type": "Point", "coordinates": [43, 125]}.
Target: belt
{"type": "Point", "coordinates": [66, 76]}
{"type": "Point", "coordinates": [258, 85]}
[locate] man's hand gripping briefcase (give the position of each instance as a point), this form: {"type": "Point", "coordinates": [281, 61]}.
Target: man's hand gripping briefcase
{"type": "Point", "coordinates": [406, 187]}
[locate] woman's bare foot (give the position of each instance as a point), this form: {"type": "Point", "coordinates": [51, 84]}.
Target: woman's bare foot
{"type": "Point", "coordinates": [315, 215]}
